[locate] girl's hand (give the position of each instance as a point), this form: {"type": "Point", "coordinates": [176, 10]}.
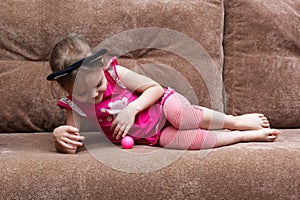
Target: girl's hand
{"type": "Point", "coordinates": [68, 137]}
{"type": "Point", "coordinates": [123, 122]}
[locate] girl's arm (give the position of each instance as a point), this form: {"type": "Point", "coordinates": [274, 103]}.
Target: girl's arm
{"type": "Point", "coordinates": [67, 137]}
{"type": "Point", "coordinates": [150, 90]}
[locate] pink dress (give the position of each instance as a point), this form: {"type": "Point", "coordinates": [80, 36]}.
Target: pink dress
{"type": "Point", "coordinates": [148, 123]}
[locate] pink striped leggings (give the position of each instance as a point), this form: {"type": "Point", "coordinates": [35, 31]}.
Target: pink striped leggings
{"type": "Point", "coordinates": [184, 131]}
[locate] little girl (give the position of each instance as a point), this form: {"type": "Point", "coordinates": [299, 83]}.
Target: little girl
{"type": "Point", "coordinates": [121, 102]}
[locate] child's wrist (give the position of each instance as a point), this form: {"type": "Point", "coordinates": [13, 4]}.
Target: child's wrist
{"type": "Point", "coordinates": [135, 109]}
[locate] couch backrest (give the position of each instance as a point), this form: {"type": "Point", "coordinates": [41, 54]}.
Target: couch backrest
{"type": "Point", "coordinates": [262, 59]}
{"type": "Point", "coordinates": [178, 43]}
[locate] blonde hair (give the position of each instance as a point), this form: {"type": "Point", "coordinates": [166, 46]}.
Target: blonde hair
{"type": "Point", "coordinates": [66, 52]}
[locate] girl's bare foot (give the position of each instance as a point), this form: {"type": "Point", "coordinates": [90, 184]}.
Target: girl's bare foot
{"type": "Point", "coordinates": [262, 135]}
{"type": "Point", "coordinates": [253, 121]}
{"type": "Point", "coordinates": [231, 137]}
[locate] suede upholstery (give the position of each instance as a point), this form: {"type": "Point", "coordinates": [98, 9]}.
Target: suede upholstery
{"type": "Point", "coordinates": [38, 25]}
{"type": "Point", "coordinates": [235, 56]}
{"type": "Point", "coordinates": [31, 169]}
{"type": "Point", "coordinates": [261, 44]}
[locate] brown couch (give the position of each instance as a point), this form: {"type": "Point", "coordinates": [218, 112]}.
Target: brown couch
{"type": "Point", "coordinates": [235, 56]}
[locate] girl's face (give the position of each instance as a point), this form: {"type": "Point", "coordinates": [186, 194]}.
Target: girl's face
{"type": "Point", "coordinates": [90, 87]}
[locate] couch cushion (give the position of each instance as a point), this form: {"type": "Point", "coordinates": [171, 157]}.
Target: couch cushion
{"type": "Point", "coordinates": [262, 59]}
{"type": "Point", "coordinates": [31, 169]}
{"type": "Point", "coordinates": [107, 24]}
{"type": "Point", "coordinates": [32, 28]}
{"type": "Point", "coordinates": [28, 100]}
{"type": "Point", "coordinates": [20, 30]}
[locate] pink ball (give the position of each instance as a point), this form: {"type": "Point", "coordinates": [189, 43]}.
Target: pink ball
{"type": "Point", "coordinates": [127, 142]}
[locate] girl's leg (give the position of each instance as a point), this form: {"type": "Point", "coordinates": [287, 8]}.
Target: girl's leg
{"type": "Point", "coordinates": [193, 139]}
{"type": "Point", "coordinates": [216, 120]}
{"type": "Point", "coordinates": [202, 139]}
{"type": "Point", "coordinates": [232, 137]}
{"type": "Point", "coordinates": [182, 115]}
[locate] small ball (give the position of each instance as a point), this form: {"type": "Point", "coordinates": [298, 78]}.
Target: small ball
{"type": "Point", "coordinates": [127, 142]}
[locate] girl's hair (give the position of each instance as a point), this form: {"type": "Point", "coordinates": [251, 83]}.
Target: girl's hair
{"type": "Point", "coordinates": [66, 52]}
